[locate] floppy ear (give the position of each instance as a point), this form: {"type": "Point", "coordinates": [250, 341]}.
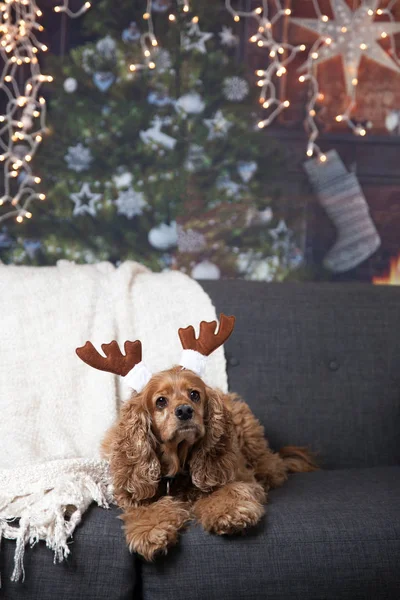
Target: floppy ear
{"type": "Point", "coordinates": [214, 460]}
{"type": "Point", "coordinates": [130, 447]}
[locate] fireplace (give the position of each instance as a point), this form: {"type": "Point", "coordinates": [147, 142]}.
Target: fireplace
{"type": "Point", "coordinates": [392, 277]}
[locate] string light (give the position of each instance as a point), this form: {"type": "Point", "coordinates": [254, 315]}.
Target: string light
{"type": "Point", "coordinates": [21, 88]}
{"type": "Point", "coordinates": [269, 37]}
{"type": "Point", "coordinates": [64, 7]}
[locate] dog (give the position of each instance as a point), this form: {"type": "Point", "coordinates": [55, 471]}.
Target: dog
{"type": "Point", "coordinates": [181, 450]}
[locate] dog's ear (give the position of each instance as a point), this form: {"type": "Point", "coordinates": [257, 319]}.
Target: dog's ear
{"type": "Point", "coordinates": [130, 447]}
{"type": "Point", "coordinates": [214, 460]}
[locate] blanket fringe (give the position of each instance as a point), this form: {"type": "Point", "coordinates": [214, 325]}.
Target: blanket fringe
{"type": "Point", "coordinates": [51, 516]}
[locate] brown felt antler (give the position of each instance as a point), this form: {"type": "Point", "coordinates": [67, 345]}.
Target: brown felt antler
{"type": "Point", "coordinates": [114, 361]}
{"type": "Point", "coordinates": [208, 339]}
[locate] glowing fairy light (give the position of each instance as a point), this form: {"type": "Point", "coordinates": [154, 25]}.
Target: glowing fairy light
{"type": "Point", "coordinates": [23, 102]}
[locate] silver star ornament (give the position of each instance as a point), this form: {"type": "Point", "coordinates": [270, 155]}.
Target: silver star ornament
{"type": "Point", "coordinates": [82, 207]}
{"type": "Point", "coordinates": [218, 126]}
{"type": "Point", "coordinates": [194, 39]}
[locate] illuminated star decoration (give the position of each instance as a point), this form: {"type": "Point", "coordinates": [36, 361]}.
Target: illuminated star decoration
{"type": "Point", "coordinates": [194, 39]}
{"type": "Point", "coordinates": [78, 199]}
{"type": "Point", "coordinates": [351, 35]}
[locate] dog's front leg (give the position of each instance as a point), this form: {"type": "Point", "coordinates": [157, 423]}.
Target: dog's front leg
{"type": "Point", "coordinates": [150, 529]}
{"type": "Point", "coordinates": [231, 508]}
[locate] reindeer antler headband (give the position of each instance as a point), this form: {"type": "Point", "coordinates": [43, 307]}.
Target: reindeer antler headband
{"type": "Point", "coordinates": [131, 367]}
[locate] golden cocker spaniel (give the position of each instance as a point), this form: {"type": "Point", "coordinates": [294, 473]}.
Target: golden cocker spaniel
{"type": "Point", "coordinates": [181, 450]}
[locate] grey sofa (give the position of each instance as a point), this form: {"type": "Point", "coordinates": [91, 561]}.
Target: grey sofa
{"type": "Point", "coordinates": [320, 366]}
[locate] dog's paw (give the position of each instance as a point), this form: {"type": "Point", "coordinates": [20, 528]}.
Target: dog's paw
{"type": "Point", "coordinates": [150, 543]}
{"type": "Point", "coordinates": [233, 519]}
{"type": "Point", "coordinates": [151, 530]}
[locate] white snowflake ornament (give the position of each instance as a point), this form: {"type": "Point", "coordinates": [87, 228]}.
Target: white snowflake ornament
{"type": "Point", "coordinates": [78, 158]}
{"type": "Point", "coordinates": [235, 88]}
{"type": "Point", "coordinates": [227, 37]}
{"type": "Point", "coordinates": [130, 203]}
{"type": "Point", "coordinates": [190, 240]}
{"type": "Point", "coordinates": [82, 207]}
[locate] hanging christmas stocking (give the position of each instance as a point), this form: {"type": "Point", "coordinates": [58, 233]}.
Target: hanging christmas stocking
{"type": "Point", "coordinates": [340, 194]}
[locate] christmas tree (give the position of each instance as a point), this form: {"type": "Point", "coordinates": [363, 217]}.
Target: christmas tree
{"type": "Point", "coordinates": [153, 152]}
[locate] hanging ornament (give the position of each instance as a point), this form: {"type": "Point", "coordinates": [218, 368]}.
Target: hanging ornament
{"type": "Point", "coordinates": [194, 39]}
{"type": "Point", "coordinates": [352, 34]}
{"type": "Point", "coordinates": [103, 80]}
{"type": "Point", "coordinates": [235, 88]}
{"type": "Point", "coordinates": [206, 270]}
{"type": "Point", "coordinates": [131, 34]}
{"type": "Point", "coordinates": [190, 103]}
{"type": "Point", "coordinates": [392, 120]}
{"type": "Point", "coordinates": [218, 126]}
{"type": "Point", "coordinates": [106, 48]}
{"type": "Point", "coordinates": [154, 135]}
{"type": "Point", "coordinates": [246, 170]}
{"type": "Point", "coordinates": [88, 56]}
{"type": "Point", "coordinates": [78, 158]}
{"type": "Point", "coordinates": [70, 85]}
{"type": "Point", "coordinates": [163, 236]}
{"type": "Point", "coordinates": [5, 240]}
{"type": "Point", "coordinates": [32, 247]}
{"type": "Point", "coordinates": [225, 184]}
{"type": "Point", "coordinates": [164, 62]}
{"type": "Point", "coordinates": [190, 240]}
{"type": "Point", "coordinates": [227, 37]}
{"type": "Point", "coordinates": [123, 180]}
{"type": "Point", "coordinates": [159, 98]}
{"type": "Point", "coordinates": [85, 201]}
{"type": "Point", "coordinates": [196, 159]}
{"type": "Point", "coordinates": [160, 6]}
{"type": "Point", "coordinates": [281, 236]}
{"type": "Point", "coordinates": [130, 203]}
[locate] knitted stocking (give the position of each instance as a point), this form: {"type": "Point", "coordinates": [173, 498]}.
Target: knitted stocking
{"type": "Point", "coordinates": [340, 194]}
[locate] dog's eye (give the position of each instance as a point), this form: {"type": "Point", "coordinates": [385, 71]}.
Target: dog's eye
{"type": "Point", "coordinates": [161, 402]}
{"type": "Point", "coordinates": [194, 395]}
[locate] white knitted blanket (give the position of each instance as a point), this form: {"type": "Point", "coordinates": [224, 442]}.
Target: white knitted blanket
{"type": "Point", "coordinates": [55, 409]}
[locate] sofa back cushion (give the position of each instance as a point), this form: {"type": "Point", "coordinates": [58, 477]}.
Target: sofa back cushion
{"type": "Point", "coordinates": [319, 364]}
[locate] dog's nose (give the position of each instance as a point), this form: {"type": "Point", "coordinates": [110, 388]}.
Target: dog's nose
{"type": "Point", "coordinates": [184, 412]}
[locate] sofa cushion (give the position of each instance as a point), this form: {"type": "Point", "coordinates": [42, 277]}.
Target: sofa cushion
{"type": "Point", "coordinates": [99, 566]}
{"type": "Point", "coordinates": [319, 364]}
{"type": "Point", "coordinates": [327, 535]}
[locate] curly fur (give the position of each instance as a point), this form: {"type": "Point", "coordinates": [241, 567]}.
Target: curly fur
{"type": "Point", "coordinates": [220, 461]}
